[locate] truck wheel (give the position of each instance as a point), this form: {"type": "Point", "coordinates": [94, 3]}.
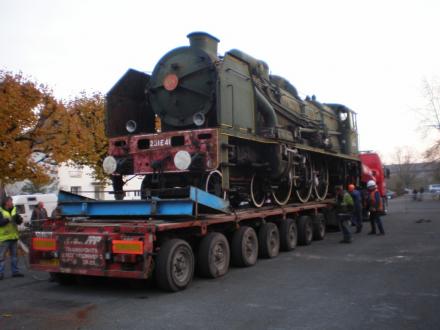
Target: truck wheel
{"type": "Point", "coordinates": [288, 235]}
{"type": "Point", "coordinates": [268, 240]}
{"type": "Point", "coordinates": [214, 255]}
{"type": "Point", "coordinates": [174, 265]}
{"type": "Point", "coordinates": [318, 227]}
{"type": "Point", "coordinates": [305, 230]}
{"type": "Point", "coordinates": [244, 247]}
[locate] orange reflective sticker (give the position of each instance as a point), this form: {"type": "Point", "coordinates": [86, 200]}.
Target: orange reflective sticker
{"type": "Point", "coordinates": [127, 247]}
{"type": "Point", "coordinates": [44, 244]}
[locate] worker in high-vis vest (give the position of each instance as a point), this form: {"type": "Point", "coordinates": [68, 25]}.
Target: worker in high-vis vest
{"type": "Point", "coordinates": [9, 220]}
{"type": "Point", "coordinates": [344, 211]}
{"type": "Point", "coordinates": [375, 206]}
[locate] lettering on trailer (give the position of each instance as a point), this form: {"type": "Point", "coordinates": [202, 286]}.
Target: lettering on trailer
{"type": "Point", "coordinates": [91, 240]}
{"type": "Point", "coordinates": [82, 251]}
{"type": "Point", "coordinates": [160, 143]}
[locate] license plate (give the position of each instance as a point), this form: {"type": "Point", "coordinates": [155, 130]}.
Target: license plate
{"type": "Point", "coordinates": [82, 251]}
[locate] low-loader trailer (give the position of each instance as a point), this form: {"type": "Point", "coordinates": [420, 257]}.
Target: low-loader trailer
{"type": "Point", "coordinates": [169, 238]}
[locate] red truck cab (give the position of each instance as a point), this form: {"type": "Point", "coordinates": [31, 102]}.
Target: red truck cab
{"type": "Point", "coordinates": [372, 169]}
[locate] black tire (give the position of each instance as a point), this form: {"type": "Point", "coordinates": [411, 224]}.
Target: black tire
{"type": "Point", "coordinates": [268, 240]}
{"type": "Point", "coordinates": [288, 235]}
{"type": "Point", "coordinates": [174, 265]}
{"type": "Point", "coordinates": [305, 230]}
{"type": "Point", "coordinates": [244, 247]}
{"type": "Point", "coordinates": [319, 229]}
{"type": "Point", "coordinates": [214, 255]}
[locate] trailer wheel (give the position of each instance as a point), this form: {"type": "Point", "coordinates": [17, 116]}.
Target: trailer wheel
{"type": "Point", "coordinates": [269, 240]}
{"type": "Point", "coordinates": [214, 255]}
{"type": "Point", "coordinates": [318, 227]}
{"type": "Point", "coordinates": [305, 230]}
{"type": "Point", "coordinates": [288, 235]}
{"type": "Point", "coordinates": [174, 265]}
{"type": "Point", "coordinates": [244, 247]}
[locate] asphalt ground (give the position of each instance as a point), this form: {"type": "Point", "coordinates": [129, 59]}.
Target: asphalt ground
{"type": "Point", "coordinates": [377, 282]}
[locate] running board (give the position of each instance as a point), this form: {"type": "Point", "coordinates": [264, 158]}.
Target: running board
{"type": "Point", "coordinates": [195, 202]}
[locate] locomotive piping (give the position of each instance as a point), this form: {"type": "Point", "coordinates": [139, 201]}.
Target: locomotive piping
{"type": "Point", "coordinates": [277, 165]}
{"type": "Point", "coordinates": [266, 110]}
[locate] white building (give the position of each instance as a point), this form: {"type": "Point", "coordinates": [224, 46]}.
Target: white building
{"type": "Point", "coordinates": [80, 181]}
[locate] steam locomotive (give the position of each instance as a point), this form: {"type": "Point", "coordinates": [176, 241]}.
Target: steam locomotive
{"type": "Point", "coordinates": [226, 125]}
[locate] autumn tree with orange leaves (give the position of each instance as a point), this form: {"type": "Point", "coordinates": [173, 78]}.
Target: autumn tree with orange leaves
{"type": "Point", "coordinates": [38, 132]}
{"type": "Point", "coordinates": [33, 134]}
{"type": "Point", "coordinates": [87, 132]}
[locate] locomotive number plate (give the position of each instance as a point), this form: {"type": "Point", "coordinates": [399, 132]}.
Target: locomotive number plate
{"type": "Point", "coordinates": [160, 143]}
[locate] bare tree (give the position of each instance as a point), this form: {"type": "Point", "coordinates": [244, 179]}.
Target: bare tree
{"type": "Point", "coordinates": [404, 173]}
{"type": "Point", "coordinates": [431, 120]}
{"type": "Point", "coordinates": [431, 114]}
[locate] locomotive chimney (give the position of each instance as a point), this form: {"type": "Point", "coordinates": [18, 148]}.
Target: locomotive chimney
{"type": "Point", "coordinates": [204, 41]}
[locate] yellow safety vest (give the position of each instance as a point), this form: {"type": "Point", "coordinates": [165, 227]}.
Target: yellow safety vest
{"type": "Point", "coordinates": [9, 231]}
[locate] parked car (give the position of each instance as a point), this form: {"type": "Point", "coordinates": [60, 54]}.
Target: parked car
{"type": "Point", "coordinates": [391, 194]}
{"type": "Point", "coordinates": [434, 188]}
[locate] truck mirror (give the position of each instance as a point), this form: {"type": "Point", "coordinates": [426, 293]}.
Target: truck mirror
{"type": "Point", "coordinates": [387, 173]}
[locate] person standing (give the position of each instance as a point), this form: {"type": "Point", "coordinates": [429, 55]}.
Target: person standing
{"type": "Point", "coordinates": [39, 214]}
{"type": "Point", "coordinates": [375, 206]}
{"type": "Point", "coordinates": [357, 211]}
{"type": "Point", "coordinates": [56, 213]}
{"type": "Point", "coordinates": [421, 191]}
{"type": "Point", "coordinates": [414, 194]}
{"type": "Point", "coordinates": [344, 210]}
{"type": "Point", "coordinates": [9, 236]}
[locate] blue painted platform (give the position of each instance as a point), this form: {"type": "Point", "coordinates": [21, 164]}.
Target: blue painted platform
{"type": "Point", "coordinates": [197, 201]}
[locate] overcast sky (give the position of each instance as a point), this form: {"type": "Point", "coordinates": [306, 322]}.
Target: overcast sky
{"type": "Point", "coordinates": [369, 55]}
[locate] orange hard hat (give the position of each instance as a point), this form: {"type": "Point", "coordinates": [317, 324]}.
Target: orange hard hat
{"type": "Point", "coordinates": [351, 187]}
